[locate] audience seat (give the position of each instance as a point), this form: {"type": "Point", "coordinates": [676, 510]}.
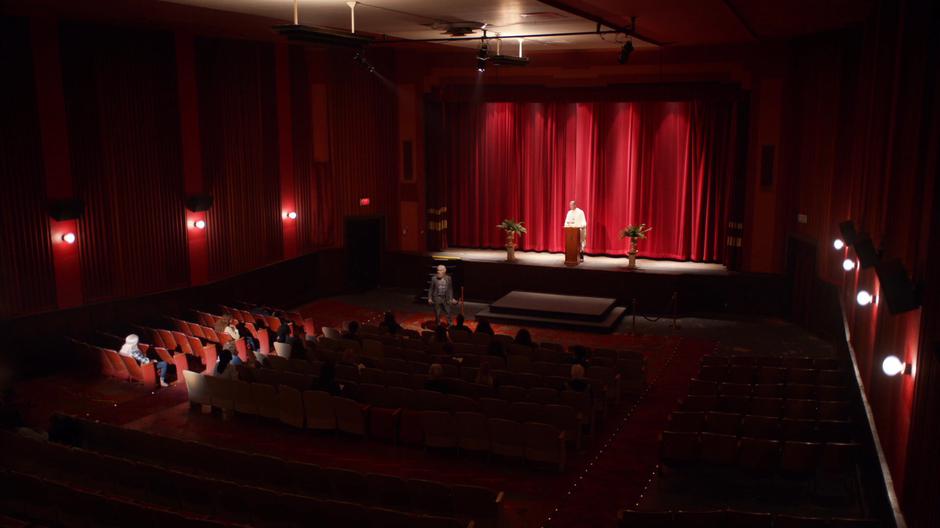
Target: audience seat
{"type": "Point", "coordinates": [291, 406]}
{"type": "Point", "coordinates": [545, 443]}
{"type": "Point", "coordinates": [440, 429]}
{"type": "Point", "coordinates": [507, 437]}
{"type": "Point", "coordinates": [197, 388]}
{"type": "Point", "coordinates": [266, 400]}
{"type": "Point", "coordinates": [350, 416]}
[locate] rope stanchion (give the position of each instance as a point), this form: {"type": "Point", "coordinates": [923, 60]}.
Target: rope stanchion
{"type": "Point", "coordinates": [673, 307]}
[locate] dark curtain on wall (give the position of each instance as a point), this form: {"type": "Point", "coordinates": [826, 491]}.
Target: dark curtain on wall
{"type": "Point", "coordinates": [26, 274]}
{"type": "Point", "coordinates": [363, 110]}
{"type": "Point", "coordinates": [312, 179]}
{"type": "Point", "coordinates": [238, 124]}
{"type": "Point", "coordinates": [665, 164]}
{"type": "Point", "coordinates": [121, 99]}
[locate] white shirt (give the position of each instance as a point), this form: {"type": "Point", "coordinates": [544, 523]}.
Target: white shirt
{"type": "Point", "coordinates": [575, 218]}
{"type": "Point", "coordinates": [232, 332]}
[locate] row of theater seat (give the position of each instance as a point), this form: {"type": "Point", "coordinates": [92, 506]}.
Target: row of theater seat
{"type": "Point", "coordinates": [755, 455]}
{"type": "Point", "coordinates": [537, 442]}
{"type": "Point", "coordinates": [801, 362]}
{"type": "Point", "coordinates": [797, 391]}
{"type": "Point", "coordinates": [750, 374]}
{"type": "Point", "coordinates": [175, 471]}
{"type": "Point", "coordinates": [760, 426]}
{"type": "Point", "coordinates": [773, 407]}
{"type": "Point", "coordinates": [463, 396]}
{"type": "Point", "coordinates": [732, 519]}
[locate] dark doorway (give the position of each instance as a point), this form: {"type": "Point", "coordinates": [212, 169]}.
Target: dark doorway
{"type": "Point", "coordinates": [365, 241]}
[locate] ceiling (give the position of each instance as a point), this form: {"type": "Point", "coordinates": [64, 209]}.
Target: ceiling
{"type": "Point", "coordinates": [666, 22]}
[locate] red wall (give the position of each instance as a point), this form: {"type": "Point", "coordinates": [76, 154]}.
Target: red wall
{"type": "Point", "coordinates": [860, 142]}
{"type": "Point", "coordinates": [133, 119]}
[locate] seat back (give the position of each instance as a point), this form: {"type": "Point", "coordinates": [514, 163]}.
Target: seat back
{"type": "Point", "coordinates": [318, 408]}
{"type": "Point", "coordinates": [197, 388]}
{"type": "Point", "coordinates": [350, 416]}
{"type": "Point", "coordinates": [266, 400]}
{"type": "Point", "coordinates": [282, 349]}
{"type": "Point", "coordinates": [291, 406]}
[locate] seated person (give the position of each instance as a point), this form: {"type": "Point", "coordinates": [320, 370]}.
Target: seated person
{"type": "Point", "coordinates": [243, 331]}
{"type": "Point", "coordinates": [130, 349]}
{"type": "Point", "coordinates": [233, 351]}
{"type": "Point", "coordinates": [327, 379]}
{"type": "Point", "coordinates": [460, 325]}
{"type": "Point", "coordinates": [224, 367]}
{"type": "Point", "coordinates": [440, 335]}
{"type": "Point", "coordinates": [284, 331]}
{"type": "Point", "coordinates": [579, 355]}
{"type": "Point", "coordinates": [436, 381]}
{"type": "Point", "coordinates": [523, 337]}
{"type": "Point", "coordinates": [352, 331]}
{"type": "Point", "coordinates": [483, 327]}
{"type": "Point", "coordinates": [577, 382]}
{"type": "Point", "coordinates": [484, 375]}
{"type": "Point", "coordinates": [389, 324]}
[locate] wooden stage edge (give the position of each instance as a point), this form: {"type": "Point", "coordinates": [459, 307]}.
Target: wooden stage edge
{"type": "Point", "coordinates": [699, 289]}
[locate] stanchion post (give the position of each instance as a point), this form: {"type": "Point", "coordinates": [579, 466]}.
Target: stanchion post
{"type": "Point", "coordinates": [675, 309]}
{"type": "Point", "coordinates": [634, 316]}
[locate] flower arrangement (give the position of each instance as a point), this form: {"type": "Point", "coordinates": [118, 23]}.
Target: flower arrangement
{"type": "Point", "coordinates": [512, 228]}
{"type": "Point", "coordinates": [635, 231]}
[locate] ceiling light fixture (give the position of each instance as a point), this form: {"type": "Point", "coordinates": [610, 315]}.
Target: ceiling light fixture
{"type": "Point", "coordinates": [360, 59]}
{"type": "Point", "coordinates": [299, 33]}
{"type": "Point", "coordinates": [625, 51]}
{"type": "Point", "coordinates": [482, 55]}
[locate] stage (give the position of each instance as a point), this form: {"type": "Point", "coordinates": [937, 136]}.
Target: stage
{"type": "Point", "coordinates": [557, 260]}
{"type": "Point", "coordinates": [699, 289]}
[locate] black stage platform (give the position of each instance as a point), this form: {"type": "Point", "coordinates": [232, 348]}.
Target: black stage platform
{"type": "Point", "coordinates": [564, 311]}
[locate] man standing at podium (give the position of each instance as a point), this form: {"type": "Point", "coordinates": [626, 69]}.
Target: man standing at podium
{"type": "Point", "coordinates": [576, 218]}
{"type": "Point", "coordinates": [441, 294]}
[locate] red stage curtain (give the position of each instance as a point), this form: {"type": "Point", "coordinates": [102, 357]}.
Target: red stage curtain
{"type": "Point", "coordinates": [26, 274]}
{"type": "Point", "coordinates": [121, 98]}
{"type": "Point", "coordinates": [666, 164]}
{"type": "Point", "coordinates": [238, 124]}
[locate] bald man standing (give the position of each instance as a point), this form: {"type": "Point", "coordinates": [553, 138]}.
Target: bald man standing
{"type": "Point", "coordinates": [441, 294]}
{"type": "Point", "coordinates": [576, 218]}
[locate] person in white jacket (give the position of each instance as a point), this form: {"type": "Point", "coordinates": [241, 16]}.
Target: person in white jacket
{"type": "Point", "coordinates": [576, 218]}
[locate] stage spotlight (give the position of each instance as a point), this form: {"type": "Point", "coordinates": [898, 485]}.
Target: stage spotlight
{"type": "Point", "coordinates": [199, 224]}
{"type": "Point", "coordinates": [290, 215]}
{"type": "Point", "coordinates": [838, 243]}
{"type": "Point", "coordinates": [848, 264]}
{"type": "Point", "coordinates": [625, 51]}
{"type": "Point", "coordinates": [864, 298]}
{"type": "Point", "coordinates": [481, 65]}
{"type": "Point", "coordinates": [892, 366]}
{"type": "Point", "coordinates": [69, 238]}
{"type": "Point", "coordinates": [482, 55]}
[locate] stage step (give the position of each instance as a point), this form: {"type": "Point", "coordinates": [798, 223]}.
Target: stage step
{"type": "Point", "coordinates": [562, 311]}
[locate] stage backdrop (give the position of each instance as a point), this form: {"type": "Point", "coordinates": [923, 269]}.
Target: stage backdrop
{"type": "Point", "coordinates": [665, 164]}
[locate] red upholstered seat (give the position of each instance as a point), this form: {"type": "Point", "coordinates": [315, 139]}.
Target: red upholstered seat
{"type": "Point", "coordinates": [383, 423]}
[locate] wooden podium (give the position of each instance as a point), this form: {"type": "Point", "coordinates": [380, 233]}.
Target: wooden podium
{"type": "Point", "coordinates": [572, 246]}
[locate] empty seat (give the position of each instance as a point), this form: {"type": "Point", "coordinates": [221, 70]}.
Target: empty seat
{"type": "Point", "coordinates": [350, 416]}
{"type": "Point", "coordinates": [346, 484]}
{"type": "Point", "coordinates": [457, 403]}
{"type": "Point", "coordinates": [678, 449]}
{"type": "Point", "coordinates": [472, 431]}
{"type": "Point", "coordinates": [758, 455]}
{"type": "Point", "coordinates": [525, 411]}
{"type": "Point", "coordinates": [800, 409]}
{"type": "Point", "coordinates": [734, 389]}
{"type": "Point", "coordinates": [318, 410]}
{"type": "Point", "coordinates": [507, 437]}
{"type": "Point", "coordinates": [718, 449]}
{"type": "Point", "coordinates": [714, 373]}
{"type": "Point", "coordinates": [831, 377]}
{"type": "Point", "coordinates": [686, 421]}
{"type": "Point", "coordinates": [769, 390]}
{"type": "Point", "coordinates": [741, 374]}
{"type": "Point", "coordinates": [702, 388]}
{"type": "Point", "coordinates": [771, 375]}
{"type": "Point", "coordinates": [545, 443]}
{"type": "Point", "coordinates": [291, 406]}
{"type": "Point", "coordinates": [511, 393]}
{"type": "Point", "coordinates": [757, 426]}
{"type": "Point", "coordinates": [699, 403]}
{"type": "Point", "coordinates": [797, 362]}
{"type": "Point", "coordinates": [266, 400]}
{"type": "Point", "coordinates": [244, 399]}
{"type": "Point", "coordinates": [799, 459]}
{"type": "Point", "coordinates": [723, 423]}
{"type": "Point", "coordinates": [733, 404]}
{"type": "Point", "coordinates": [221, 393]}
{"type": "Point", "coordinates": [440, 429]}
{"type": "Point", "coordinates": [282, 349]}
{"type": "Point", "coordinates": [494, 407]}
{"type": "Point", "coordinates": [431, 497]}
{"type": "Point", "coordinates": [388, 491]}
{"type": "Point", "coordinates": [833, 410]}
{"type": "Point", "coordinates": [766, 407]}
{"type": "Point", "coordinates": [197, 388]}
{"type": "Point", "coordinates": [798, 430]}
